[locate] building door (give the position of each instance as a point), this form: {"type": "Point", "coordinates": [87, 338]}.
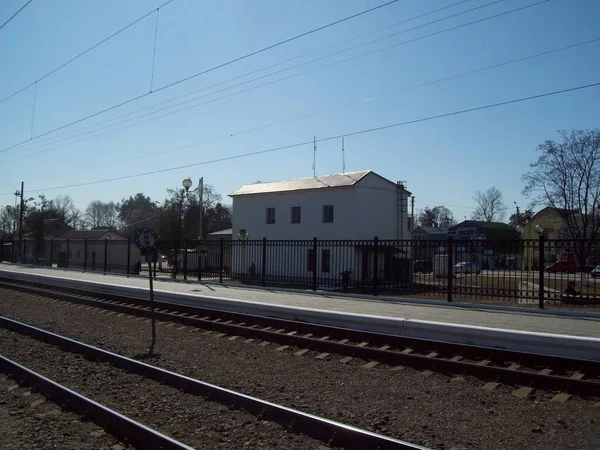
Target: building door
{"type": "Point", "coordinates": [93, 260]}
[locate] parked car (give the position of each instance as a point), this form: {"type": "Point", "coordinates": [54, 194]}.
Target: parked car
{"type": "Point", "coordinates": [466, 268]}
{"type": "Point", "coordinates": [562, 266]}
{"type": "Point", "coordinates": [595, 273]}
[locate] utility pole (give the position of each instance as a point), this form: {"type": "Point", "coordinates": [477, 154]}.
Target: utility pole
{"type": "Point", "coordinates": [412, 212]}
{"type": "Point", "coordinates": [201, 196]}
{"type": "Point", "coordinates": [518, 215]}
{"type": "Point", "coordinates": [21, 208]}
{"type": "Point", "coordinates": [343, 157]}
{"type": "Point", "coordinates": [315, 156]}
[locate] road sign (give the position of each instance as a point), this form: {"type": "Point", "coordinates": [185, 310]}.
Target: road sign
{"type": "Point", "coordinates": [146, 240]}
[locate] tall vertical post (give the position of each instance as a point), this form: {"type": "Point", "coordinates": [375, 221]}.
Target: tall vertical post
{"type": "Point", "coordinates": [314, 267]}
{"type": "Point", "coordinates": [129, 256]}
{"type": "Point", "coordinates": [21, 208]}
{"type": "Point", "coordinates": [450, 267]}
{"type": "Point", "coordinates": [541, 269]}
{"type": "Point", "coordinates": [185, 258]}
{"type": "Point", "coordinates": [221, 243]}
{"type": "Point", "coordinates": [201, 199]}
{"type": "Point", "coordinates": [153, 343]}
{"type": "Point", "coordinates": [264, 262]}
{"type": "Point", "coordinates": [200, 258]}
{"type": "Point", "coordinates": [105, 255]}
{"type": "Point", "coordinates": [376, 266]}
{"type": "Point", "coordinates": [85, 250]}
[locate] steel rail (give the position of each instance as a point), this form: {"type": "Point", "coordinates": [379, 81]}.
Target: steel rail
{"type": "Point", "coordinates": [222, 321]}
{"type": "Point", "coordinates": [118, 425]}
{"type": "Point", "coordinates": [328, 431]}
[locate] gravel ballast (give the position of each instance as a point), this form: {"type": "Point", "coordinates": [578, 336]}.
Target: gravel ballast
{"type": "Point", "coordinates": [428, 409]}
{"type": "Point", "coordinates": [28, 421]}
{"type": "Point", "coordinates": [185, 417]}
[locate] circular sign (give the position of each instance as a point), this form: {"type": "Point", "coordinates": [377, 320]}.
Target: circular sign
{"type": "Point", "coordinates": [146, 239]}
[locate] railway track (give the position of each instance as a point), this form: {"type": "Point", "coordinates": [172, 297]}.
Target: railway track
{"type": "Point", "coordinates": [526, 371]}
{"type": "Point", "coordinates": [332, 433]}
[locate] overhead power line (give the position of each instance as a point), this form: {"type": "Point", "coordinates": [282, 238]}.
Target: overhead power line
{"type": "Point", "coordinates": [219, 66]}
{"type": "Point", "coordinates": [293, 75]}
{"type": "Point", "coordinates": [345, 105]}
{"type": "Point", "coordinates": [15, 15]}
{"type": "Point", "coordinates": [330, 138]}
{"type": "Point", "coordinates": [51, 140]}
{"type": "Point", "coordinates": [63, 65]}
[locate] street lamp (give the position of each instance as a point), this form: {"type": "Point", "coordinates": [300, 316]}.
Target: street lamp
{"type": "Point", "coordinates": [187, 184]}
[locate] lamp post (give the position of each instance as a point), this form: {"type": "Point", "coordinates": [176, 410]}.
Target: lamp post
{"type": "Point", "coordinates": [243, 236]}
{"type": "Point", "coordinates": [187, 184]}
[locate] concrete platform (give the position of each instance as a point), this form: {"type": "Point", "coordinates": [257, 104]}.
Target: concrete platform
{"type": "Point", "coordinates": [564, 333]}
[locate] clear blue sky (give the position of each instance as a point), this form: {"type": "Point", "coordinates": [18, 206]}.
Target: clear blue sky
{"type": "Point", "coordinates": [443, 161]}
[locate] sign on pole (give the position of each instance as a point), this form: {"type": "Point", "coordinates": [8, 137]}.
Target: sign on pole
{"type": "Point", "coordinates": [146, 241]}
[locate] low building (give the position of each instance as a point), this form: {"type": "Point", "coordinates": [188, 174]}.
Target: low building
{"type": "Point", "coordinates": [96, 250]}
{"type": "Point", "coordinates": [353, 207]}
{"type": "Point", "coordinates": [490, 245]}
{"type": "Point", "coordinates": [427, 242]}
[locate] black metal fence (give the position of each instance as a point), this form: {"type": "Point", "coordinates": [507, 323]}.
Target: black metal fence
{"type": "Point", "coordinates": [524, 272]}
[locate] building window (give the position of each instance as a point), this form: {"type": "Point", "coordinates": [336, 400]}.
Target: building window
{"type": "Point", "coordinates": [328, 213]}
{"type": "Point", "coordinates": [295, 214]}
{"type": "Point", "coordinates": [311, 260]}
{"type": "Point", "coordinates": [270, 215]}
{"type": "Point", "coordinates": [325, 260]}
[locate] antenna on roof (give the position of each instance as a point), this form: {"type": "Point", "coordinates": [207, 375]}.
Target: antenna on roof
{"type": "Point", "coordinates": [343, 157]}
{"type": "Point", "coordinates": [314, 156]}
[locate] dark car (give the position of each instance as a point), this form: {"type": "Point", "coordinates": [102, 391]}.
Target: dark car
{"type": "Point", "coordinates": [423, 266]}
{"type": "Point", "coordinates": [595, 273]}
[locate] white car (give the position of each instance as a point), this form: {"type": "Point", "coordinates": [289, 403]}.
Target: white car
{"type": "Point", "coordinates": [466, 268]}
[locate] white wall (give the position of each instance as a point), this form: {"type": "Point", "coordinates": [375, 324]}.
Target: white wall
{"type": "Point", "coordinates": [363, 211]}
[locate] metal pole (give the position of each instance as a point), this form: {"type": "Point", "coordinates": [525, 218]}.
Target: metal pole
{"type": "Point", "coordinates": [199, 246]}
{"type": "Point", "coordinates": [21, 207]}
{"type": "Point", "coordinates": [221, 261]}
{"type": "Point", "coordinates": [450, 266]}
{"type": "Point", "coordinates": [264, 262]}
{"type": "Point", "coordinates": [153, 343]}
{"type": "Point", "coordinates": [541, 274]}
{"type": "Point", "coordinates": [201, 199]}
{"type": "Point", "coordinates": [314, 265]}
{"type": "Point", "coordinates": [185, 255]}
{"type": "Point", "coordinates": [375, 265]}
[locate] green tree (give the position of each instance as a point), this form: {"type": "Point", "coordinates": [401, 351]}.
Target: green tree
{"type": "Point", "coordinates": [522, 219]}
{"type": "Point", "coordinates": [438, 216]}
{"type": "Point", "coordinates": [136, 212]}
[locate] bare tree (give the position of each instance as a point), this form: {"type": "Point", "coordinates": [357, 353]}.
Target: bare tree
{"type": "Point", "coordinates": [101, 215]}
{"type": "Point", "coordinates": [566, 176]}
{"type": "Point", "coordinates": [66, 209]}
{"type": "Point", "coordinates": [490, 206]}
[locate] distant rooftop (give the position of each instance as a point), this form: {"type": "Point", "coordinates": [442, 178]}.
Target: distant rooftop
{"type": "Point", "coordinates": [301, 184]}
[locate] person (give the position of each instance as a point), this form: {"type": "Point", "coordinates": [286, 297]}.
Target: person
{"type": "Point", "coordinates": [252, 270]}
{"type": "Point", "coordinates": [571, 289]}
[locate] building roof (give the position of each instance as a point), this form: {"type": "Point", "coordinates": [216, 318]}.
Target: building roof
{"type": "Point", "coordinates": [89, 234]}
{"type": "Point", "coordinates": [433, 230]}
{"type": "Point", "coordinates": [492, 230]}
{"type": "Point", "coordinates": [301, 184]}
{"type": "Point", "coordinates": [222, 232]}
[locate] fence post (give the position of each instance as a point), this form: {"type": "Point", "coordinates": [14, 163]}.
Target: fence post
{"type": "Point", "coordinates": [314, 268]}
{"type": "Point", "coordinates": [105, 255]}
{"type": "Point", "coordinates": [51, 253]}
{"type": "Point", "coordinates": [450, 266]}
{"type": "Point", "coordinates": [264, 262]}
{"type": "Point", "coordinates": [23, 247]}
{"type": "Point", "coordinates": [199, 260]}
{"type": "Point", "coordinates": [129, 256]}
{"type": "Point", "coordinates": [541, 269]}
{"type": "Point", "coordinates": [12, 251]}
{"type": "Point", "coordinates": [85, 247]}
{"type": "Point", "coordinates": [185, 255]}
{"type": "Point", "coordinates": [68, 256]}
{"type": "Point", "coordinates": [375, 265]}
{"type": "Point", "coordinates": [221, 260]}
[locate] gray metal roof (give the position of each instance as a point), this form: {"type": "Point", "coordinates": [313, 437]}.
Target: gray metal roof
{"type": "Point", "coordinates": [300, 184]}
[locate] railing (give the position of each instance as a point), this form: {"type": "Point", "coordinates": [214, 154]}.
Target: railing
{"type": "Point", "coordinates": [532, 272]}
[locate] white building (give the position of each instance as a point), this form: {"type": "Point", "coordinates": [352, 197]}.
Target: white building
{"type": "Point", "coordinates": [353, 207]}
